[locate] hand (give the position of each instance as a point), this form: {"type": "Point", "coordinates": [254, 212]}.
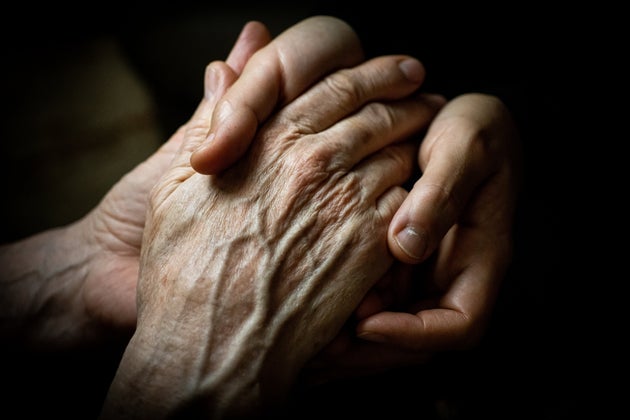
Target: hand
{"type": "Point", "coordinates": [76, 285]}
{"type": "Point", "coordinates": [246, 275]}
{"type": "Point", "coordinates": [471, 171]}
{"type": "Point", "coordinates": [267, 87]}
{"type": "Point", "coordinates": [115, 227]}
{"type": "Point", "coordinates": [463, 208]}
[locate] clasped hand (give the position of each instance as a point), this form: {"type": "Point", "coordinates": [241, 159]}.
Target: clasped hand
{"type": "Point", "coordinates": [247, 274]}
{"type": "Point", "coordinates": [452, 234]}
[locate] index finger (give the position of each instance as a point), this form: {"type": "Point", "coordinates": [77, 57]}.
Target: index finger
{"type": "Point", "coordinates": [274, 76]}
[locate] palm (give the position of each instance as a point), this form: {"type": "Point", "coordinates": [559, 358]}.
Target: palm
{"type": "Point", "coordinates": [116, 225]}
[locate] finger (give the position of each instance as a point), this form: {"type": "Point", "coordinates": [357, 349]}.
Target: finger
{"type": "Point", "coordinates": [456, 158]}
{"type": "Point", "coordinates": [458, 318]}
{"type": "Point", "coordinates": [218, 78]}
{"type": "Point", "coordinates": [429, 330]}
{"type": "Point", "coordinates": [379, 79]}
{"type": "Point", "coordinates": [374, 127]}
{"type": "Point", "coordinates": [275, 75]}
{"type": "Point", "coordinates": [253, 37]}
{"type": "Point", "coordinates": [388, 168]}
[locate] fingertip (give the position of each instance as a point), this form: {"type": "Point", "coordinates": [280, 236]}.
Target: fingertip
{"type": "Point", "coordinates": [407, 240]}
{"type": "Point", "coordinates": [253, 37]}
{"type": "Point", "coordinates": [409, 244]}
{"type": "Point", "coordinates": [234, 131]}
{"type": "Point", "coordinates": [215, 155]}
{"type": "Point", "coordinates": [255, 30]}
{"type": "Point", "coordinates": [218, 78]}
{"type": "Point", "coordinates": [419, 223]}
{"type": "Point", "coordinates": [201, 160]}
{"type": "Point", "coordinates": [412, 69]}
{"type": "Point", "coordinates": [395, 328]}
{"type": "Point", "coordinates": [373, 329]}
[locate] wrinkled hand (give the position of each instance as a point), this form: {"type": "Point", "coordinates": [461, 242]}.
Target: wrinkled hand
{"type": "Point", "coordinates": [246, 275]}
{"type": "Point", "coordinates": [457, 221]}
{"type": "Point", "coordinates": [463, 208]}
{"type": "Point", "coordinates": [113, 230]}
{"type": "Point", "coordinates": [274, 77]}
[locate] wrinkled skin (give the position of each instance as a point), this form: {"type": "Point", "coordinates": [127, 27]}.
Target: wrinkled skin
{"type": "Point", "coordinates": [246, 275]}
{"type": "Point", "coordinates": [455, 226]}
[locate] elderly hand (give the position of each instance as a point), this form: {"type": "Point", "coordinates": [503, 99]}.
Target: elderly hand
{"type": "Point", "coordinates": [246, 275]}
{"type": "Point", "coordinates": [76, 285]}
{"type": "Point", "coordinates": [457, 221]}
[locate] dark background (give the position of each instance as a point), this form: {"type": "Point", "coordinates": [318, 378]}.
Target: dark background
{"type": "Point", "coordinates": [544, 353]}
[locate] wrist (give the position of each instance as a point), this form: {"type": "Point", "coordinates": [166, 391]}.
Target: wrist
{"type": "Point", "coordinates": [41, 280]}
{"type": "Point", "coordinates": [164, 374]}
{"type": "Point", "coordinates": [183, 366]}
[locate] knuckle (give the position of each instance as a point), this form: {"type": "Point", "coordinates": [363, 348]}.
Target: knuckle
{"type": "Point", "coordinates": [344, 88]}
{"type": "Point", "coordinates": [384, 114]}
{"type": "Point", "coordinates": [320, 175]}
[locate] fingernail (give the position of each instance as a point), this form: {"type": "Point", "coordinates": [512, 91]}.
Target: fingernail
{"type": "Point", "coordinates": [412, 69]}
{"type": "Point", "coordinates": [411, 242]}
{"type": "Point", "coordinates": [377, 338]}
